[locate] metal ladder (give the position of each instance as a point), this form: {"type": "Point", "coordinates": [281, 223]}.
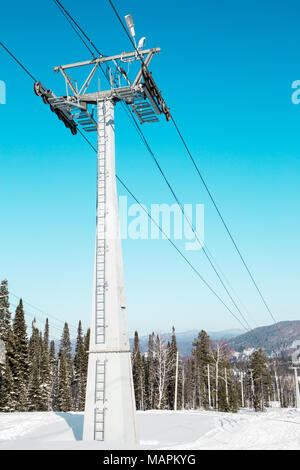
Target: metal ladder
{"type": "Point", "coordinates": [100, 240]}
{"type": "Point", "coordinates": [99, 399]}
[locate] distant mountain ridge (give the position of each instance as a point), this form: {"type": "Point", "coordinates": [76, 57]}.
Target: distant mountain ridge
{"type": "Point", "coordinates": [274, 339]}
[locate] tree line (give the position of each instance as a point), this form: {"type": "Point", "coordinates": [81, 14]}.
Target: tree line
{"type": "Point", "coordinates": [36, 377]}
{"type": "Point", "coordinates": [212, 378]}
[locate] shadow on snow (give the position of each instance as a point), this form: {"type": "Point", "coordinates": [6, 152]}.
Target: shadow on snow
{"type": "Point", "coordinates": [74, 421]}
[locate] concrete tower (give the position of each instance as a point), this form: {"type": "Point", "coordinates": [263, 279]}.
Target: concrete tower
{"type": "Point", "coordinates": [110, 403]}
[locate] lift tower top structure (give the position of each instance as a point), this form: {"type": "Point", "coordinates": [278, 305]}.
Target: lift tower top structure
{"type": "Point", "coordinates": [142, 94]}
{"type": "Point", "coordinates": [110, 403]}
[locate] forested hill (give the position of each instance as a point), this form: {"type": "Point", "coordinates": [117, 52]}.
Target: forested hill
{"type": "Point", "coordinates": [274, 338]}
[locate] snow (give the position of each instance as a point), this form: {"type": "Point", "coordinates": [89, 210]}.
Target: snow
{"type": "Point", "coordinates": [276, 428]}
{"type": "Point", "coordinates": [248, 351]}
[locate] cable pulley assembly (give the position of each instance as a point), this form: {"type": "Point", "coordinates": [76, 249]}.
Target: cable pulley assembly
{"type": "Point", "coordinates": [154, 92]}
{"type": "Point", "coordinates": [61, 111]}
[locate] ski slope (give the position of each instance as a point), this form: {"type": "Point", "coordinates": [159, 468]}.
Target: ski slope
{"type": "Point", "coordinates": [182, 430]}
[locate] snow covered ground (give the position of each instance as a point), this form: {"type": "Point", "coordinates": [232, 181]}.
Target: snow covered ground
{"type": "Point", "coordinates": [182, 430]}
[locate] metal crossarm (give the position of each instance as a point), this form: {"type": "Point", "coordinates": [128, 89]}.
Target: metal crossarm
{"type": "Point", "coordinates": [142, 94]}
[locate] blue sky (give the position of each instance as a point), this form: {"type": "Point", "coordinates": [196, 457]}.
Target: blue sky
{"type": "Point", "coordinates": [226, 70]}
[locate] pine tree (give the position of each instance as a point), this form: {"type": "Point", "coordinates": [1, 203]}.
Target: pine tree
{"type": "Point", "coordinates": [81, 394]}
{"type": "Point", "coordinates": [11, 368]}
{"type": "Point", "coordinates": [2, 385]}
{"type": "Point", "coordinates": [202, 354]}
{"type": "Point", "coordinates": [261, 379]}
{"type": "Point", "coordinates": [142, 388]}
{"type": "Point", "coordinates": [79, 352]}
{"type": "Point", "coordinates": [21, 353]}
{"type": "Point", "coordinates": [33, 344]}
{"type": "Point", "coordinates": [45, 377]}
{"type": "Point", "coordinates": [190, 385]}
{"type": "Point", "coordinates": [35, 348]}
{"type": "Point", "coordinates": [84, 369]}
{"type": "Point", "coordinates": [5, 316]}
{"type": "Point", "coordinates": [46, 336]}
{"type": "Point", "coordinates": [233, 396]}
{"type": "Point", "coordinates": [180, 385]}
{"type": "Point", "coordinates": [65, 349]}
{"type": "Point", "coordinates": [86, 344]}
{"type": "Point", "coordinates": [172, 360]}
{"type": "Point", "coordinates": [79, 370]}
{"type": "Point", "coordinates": [63, 398]}
{"type": "Point", "coordinates": [53, 373]}
{"type": "Point", "coordinates": [34, 390]}
{"type": "Point", "coordinates": [8, 400]}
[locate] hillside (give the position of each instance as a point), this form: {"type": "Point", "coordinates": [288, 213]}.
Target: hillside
{"type": "Point", "coordinates": [274, 338]}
